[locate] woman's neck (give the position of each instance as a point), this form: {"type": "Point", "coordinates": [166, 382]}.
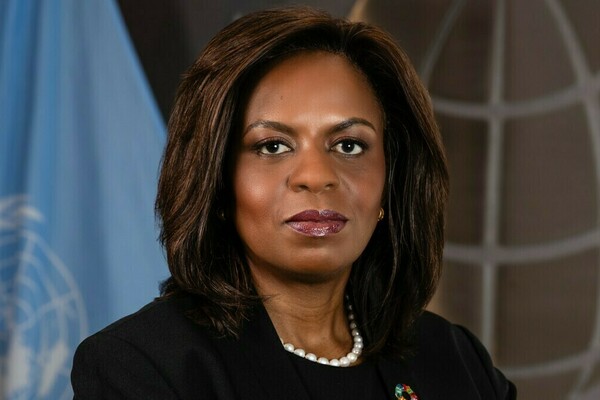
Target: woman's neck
{"type": "Point", "coordinates": [310, 316]}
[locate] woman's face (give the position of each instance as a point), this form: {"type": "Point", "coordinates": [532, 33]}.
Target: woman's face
{"type": "Point", "coordinates": [309, 169]}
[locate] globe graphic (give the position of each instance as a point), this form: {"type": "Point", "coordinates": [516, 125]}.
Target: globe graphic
{"type": "Point", "coordinates": [42, 313]}
{"type": "Point", "coordinates": [516, 90]}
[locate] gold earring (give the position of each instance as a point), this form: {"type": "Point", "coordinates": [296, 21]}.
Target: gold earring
{"type": "Point", "coordinates": [381, 214]}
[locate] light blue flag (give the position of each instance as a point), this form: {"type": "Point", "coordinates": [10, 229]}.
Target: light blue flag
{"type": "Point", "coordinates": [80, 145]}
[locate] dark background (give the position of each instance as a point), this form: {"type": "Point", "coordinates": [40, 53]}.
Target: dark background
{"type": "Point", "coordinates": [169, 35]}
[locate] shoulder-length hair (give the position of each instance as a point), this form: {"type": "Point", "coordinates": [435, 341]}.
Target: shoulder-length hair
{"type": "Point", "coordinates": [396, 275]}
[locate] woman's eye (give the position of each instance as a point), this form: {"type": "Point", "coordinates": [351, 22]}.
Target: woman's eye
{"type": "Point", "coordinates": [273, 148]}
{"type": "Point", "coordinates": [349, 147]}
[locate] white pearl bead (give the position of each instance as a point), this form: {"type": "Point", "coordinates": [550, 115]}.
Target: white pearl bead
{"type": "Point", "coordinates": [358, 345]}
{"type": "Point", "coordinates": [334, 363]}
{"type": "Point", "coordinates": [300, 352]}
{"type": "Point", "coordinates": [352, 357]}
{"type": "Point", "coordinates": [344, 361]}
{"type": "Point", "coordinates": [311, 357]}
{"type": "Point", "coordinates": [356, 351]}
{"type": "Point", "coordinates": [358, 339]}
{"type": "Point", "coordinates": [353, 325]}
{"type": "Point", "coordinates": [289, 347]}
{"type": "Point", "coordinates": [355, 332]}
{"type": "Point", "coordinates": [323, 360]}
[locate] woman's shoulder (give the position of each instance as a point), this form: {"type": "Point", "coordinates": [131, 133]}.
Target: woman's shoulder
{"type": "Point", "coordinates": [429, 319]}
{"type": "Point", "coordinates": [158, 315]}
{"type": "Point", "coordinates": [159, 324]}
{"type": "Point", "coordinates": [440, 337]}
{"type": "Point", "coordinates": [453, 353]}
{"type": "Point", "coordinates": [144, 355]}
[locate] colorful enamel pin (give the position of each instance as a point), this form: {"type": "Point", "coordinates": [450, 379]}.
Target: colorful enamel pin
{"type": "Point", "coordinates": [404, 392]}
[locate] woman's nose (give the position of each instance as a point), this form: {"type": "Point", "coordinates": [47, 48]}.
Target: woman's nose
{"type": "Point", "coordinates": [314, 171]}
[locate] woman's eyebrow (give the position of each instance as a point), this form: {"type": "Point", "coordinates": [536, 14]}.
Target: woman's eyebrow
{"type": "Point", "coordinates": [280, 127]}
{"type": "Point", "coordinates": [273, 125]}
{"type": "Point", "coordinates": [350, 122]}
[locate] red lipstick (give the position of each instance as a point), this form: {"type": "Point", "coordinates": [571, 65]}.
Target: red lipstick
{"type": "Point", "coordinates": [317, 223]}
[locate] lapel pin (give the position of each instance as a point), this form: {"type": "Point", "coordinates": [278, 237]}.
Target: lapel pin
{"type": "Point", "coordinates": [404, 392]}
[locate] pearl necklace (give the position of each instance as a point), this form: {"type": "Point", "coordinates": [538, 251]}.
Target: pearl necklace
{"type": "Point", "coordinates": [345, 361]}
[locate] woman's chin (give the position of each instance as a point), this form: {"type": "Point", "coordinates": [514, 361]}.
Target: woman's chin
{"type": "Point", "coordinates": [313, 274]}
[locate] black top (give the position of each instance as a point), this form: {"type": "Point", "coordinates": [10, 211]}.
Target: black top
{"type": "Point", "coordinates": [158, 353]}
{"type": "Point", "coordinates": [358, 382]}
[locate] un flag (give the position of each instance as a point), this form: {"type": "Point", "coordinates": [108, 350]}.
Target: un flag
{"type": "Point", "coordinates": [80, 145]}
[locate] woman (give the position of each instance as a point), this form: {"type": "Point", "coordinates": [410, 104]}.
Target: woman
{"type": "Point", "coordinates": [302, 199]}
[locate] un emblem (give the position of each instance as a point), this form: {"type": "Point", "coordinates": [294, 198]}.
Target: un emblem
{"type": "Point", "coordinates": [42, 314]}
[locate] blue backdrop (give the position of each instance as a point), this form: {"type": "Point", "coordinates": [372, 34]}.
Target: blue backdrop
{"type": "Point", "coordinates": [80, 145]}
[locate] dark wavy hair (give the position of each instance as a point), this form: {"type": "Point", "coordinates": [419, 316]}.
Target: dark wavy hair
{"type": "Point", "coordinates": [394, 278]}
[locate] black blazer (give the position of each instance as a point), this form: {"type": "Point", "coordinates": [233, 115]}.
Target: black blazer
{"type": "Point", "coordinates": [158, 353]}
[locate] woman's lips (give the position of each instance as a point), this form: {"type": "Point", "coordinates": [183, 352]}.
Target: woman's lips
{"type": "Point", "coordinates": [317, 223]}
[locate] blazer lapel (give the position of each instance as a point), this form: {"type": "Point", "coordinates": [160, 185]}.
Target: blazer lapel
{"type": "Point", "coordinates": [260, 364]}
